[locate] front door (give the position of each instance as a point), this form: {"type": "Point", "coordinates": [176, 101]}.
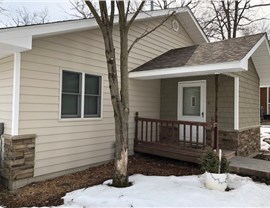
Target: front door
{"type": "Point", "coordinates": [192, 106]}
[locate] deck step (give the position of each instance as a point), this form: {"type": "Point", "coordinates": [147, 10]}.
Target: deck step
{"type": "Point", "coordinates": [229, 154]}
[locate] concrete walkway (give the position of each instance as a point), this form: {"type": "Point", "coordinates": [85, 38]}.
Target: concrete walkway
{"type": "Point", "coordinates": [250, 167]}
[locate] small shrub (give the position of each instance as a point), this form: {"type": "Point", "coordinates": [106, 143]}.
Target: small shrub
{"type": "Point", "coordinates": [210, 162]}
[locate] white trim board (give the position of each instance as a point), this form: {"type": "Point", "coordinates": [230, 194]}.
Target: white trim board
{"type": "Point", "coordinates": [184, 71]}
{"type": "Point", "coordinates": [200, 83]}
{"type": "Point", "coordinates": [236, 103]}
{"type": "Point", "coordinates": [234, 66]}
{"type": "Point", "coordinates": [16, 94]}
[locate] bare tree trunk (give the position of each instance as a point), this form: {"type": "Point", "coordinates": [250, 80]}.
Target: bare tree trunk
{"type": "Point", "coordinates": [119, 98]}
{"type": "Point", "coordinates": [120, 178]}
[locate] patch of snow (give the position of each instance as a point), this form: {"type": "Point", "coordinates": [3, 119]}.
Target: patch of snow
{"type": "Point", "coordinates": [265, 133]}
{"type": "Point", "coordinates": [171, 191]}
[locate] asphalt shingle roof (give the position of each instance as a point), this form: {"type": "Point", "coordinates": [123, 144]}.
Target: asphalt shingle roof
{"type": "Point", "coordinates": [207, 53]}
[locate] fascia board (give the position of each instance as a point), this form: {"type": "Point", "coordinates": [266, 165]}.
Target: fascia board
{"type": "Point", "coordinates": [17, 44]}
{"type": "Point", "coordinates": [188, 70]}
{"type": "Point", "coordinates": [61, 27]}
{"type": "Point", "coordinates": [254, 48]}
{"type": "Point", "coordinates": [198, 26]}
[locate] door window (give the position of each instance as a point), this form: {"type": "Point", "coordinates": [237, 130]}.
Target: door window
{"type": "Point", "coordinates": [191, 101]}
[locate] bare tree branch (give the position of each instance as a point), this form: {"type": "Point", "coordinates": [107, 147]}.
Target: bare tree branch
{"type": "Point", "coordinates": [135, 14]}
{"type": "Point", "coordinates": [80, 9]}
{"type": "Point", "coordinates": [24, 17]}
{"type": "Point", "coordinates": [150, 31]}
{"type": "Point", "coordinates": [258, 5]}
{"type": "Point", "coordinates": [94, 12]}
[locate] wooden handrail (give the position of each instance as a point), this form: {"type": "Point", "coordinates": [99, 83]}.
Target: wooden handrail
{"type": "Point", "coordinates": [155, 130]}
{"type": "Point", "coordinates": [193, 123]}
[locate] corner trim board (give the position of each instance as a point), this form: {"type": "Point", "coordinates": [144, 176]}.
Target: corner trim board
{"type": "Point", "coordinates": [16, 94]}
{"type": "Point", "coordinates": [236, 103]}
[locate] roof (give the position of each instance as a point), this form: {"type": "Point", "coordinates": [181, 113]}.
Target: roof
{"type": "Point", "coordinates": [19, 39]}
{"type": "Point", "coordinates": [211, 58]}
{"type": "Point", "coordinates": [207, 53]}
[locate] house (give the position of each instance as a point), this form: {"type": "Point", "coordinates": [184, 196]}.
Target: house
{"type": "Point", "coordinates": [55, 102]}
{"type": "Point", "coordinates": [190, 77]}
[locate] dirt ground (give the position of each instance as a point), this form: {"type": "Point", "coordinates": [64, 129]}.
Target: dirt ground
{"type": "Point", "coordinates": [49, 193]}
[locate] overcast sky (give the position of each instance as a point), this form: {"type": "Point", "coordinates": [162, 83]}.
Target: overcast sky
{"type": "Point", "coordinates": [57, 8]}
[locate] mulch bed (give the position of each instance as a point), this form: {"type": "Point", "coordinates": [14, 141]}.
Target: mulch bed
{"type": "Point", "coordinates": [50, 192]}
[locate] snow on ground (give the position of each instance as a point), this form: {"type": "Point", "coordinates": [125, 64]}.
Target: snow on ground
{"type": "Point", "coordinates": [265, 133]}
{"type": "Point", "coordinates": [172, 191]}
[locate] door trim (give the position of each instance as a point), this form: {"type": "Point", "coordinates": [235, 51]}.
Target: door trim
{"type": "Point", "coordinates": [179, 107]}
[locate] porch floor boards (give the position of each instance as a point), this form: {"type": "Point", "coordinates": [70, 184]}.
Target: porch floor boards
{"type": "Point", "coordinates": [188, 154]}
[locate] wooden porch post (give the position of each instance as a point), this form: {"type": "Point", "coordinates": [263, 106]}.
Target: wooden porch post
{"type": "Point", "coordinates": [136, 128]}
{"type": "Point", "coordinates": [216, 145]}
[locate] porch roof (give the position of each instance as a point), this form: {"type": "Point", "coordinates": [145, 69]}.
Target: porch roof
{"type": "Point", "coordinates": [208, 58]}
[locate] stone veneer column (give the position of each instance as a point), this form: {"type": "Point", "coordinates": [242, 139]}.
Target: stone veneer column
{"type": "Point", "coordinates": [245, 142]}
{"type": "Point", "coordinates": [18, 157]}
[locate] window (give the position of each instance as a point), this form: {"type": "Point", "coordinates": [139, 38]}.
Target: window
{"type": "Point", "coordinates": [81, 95]}
{"type": "Point", "coordinates": [92, 96]}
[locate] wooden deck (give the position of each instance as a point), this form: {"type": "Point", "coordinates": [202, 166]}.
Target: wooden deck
{"type": "Point", "coordinates": [175, 152]}
{"type": "Point", "coordinates": [181, 140]}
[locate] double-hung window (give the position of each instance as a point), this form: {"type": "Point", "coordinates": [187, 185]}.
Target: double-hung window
{"type": "Point", "coordinates": [81, 95]}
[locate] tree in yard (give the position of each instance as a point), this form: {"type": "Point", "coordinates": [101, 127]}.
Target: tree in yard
{"type": "Point", "coordinates": [119, 90]}
{"type": "Point", "coordinates": [229, 18]}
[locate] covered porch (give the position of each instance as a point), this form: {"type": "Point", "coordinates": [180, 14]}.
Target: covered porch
{"type": "Point", "coordinates": [209, 96]}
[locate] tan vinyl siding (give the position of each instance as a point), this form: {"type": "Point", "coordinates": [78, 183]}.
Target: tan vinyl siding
{"type": "Point", "coordinates": [62, 145]}
{"type": "Point", "coordinates": [169, 95]}
{"type": "Point", "coordinates": [6, 91]}
{"type": "Point", "coordinates": [249, 107]}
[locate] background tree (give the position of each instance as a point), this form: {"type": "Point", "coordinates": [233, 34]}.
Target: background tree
{"type": "Point", "coordinates": [165, 4]}
{"type": "Point", "coordinates": [119, 90]}
{"type": "Point", "coordinates": [229, 18]}
{"type": "Point", "coordinates": [79, 9]}
{"type": "Point", "coordinates": [22, 16]}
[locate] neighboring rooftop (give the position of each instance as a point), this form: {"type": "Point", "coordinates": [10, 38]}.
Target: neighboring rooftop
{"type": "Point", "coordinates": [206, 53]}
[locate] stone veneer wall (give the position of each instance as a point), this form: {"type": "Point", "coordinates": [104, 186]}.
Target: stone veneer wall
{"type": "Point", "coordinates": [244, 142]}
{"type": "Point", "coordinates": [18, 158]}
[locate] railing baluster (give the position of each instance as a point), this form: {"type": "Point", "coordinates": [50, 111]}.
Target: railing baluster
{"type": "Point", "coordinates": [156, 131]}
{"type": "Point", "coordinates": [190, 132]}
{"type": "Point", "coordinates": [204, 137]}
{"type": "Point", "coordinates": [197, 135]}
{"type": "Point", "coordinates": [141, 130]}
{"type": "Point", "coordinates": [184, 135]}
{"type": "Point", "coordinates": [146, 131]}
{"type": "Point", "coordinates": [151, 133]}
{"type": "Point", "coordinates": [178, 134]}
{"type": "Point", "coordinates": [173, 139]}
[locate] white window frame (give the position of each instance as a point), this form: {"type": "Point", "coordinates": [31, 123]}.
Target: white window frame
{"type": "Point", "coordinates": [81, 118]}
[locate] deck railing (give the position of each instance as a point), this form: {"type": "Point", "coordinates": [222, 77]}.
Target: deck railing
{"type": "Point", "coordinates": [175, 132]}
